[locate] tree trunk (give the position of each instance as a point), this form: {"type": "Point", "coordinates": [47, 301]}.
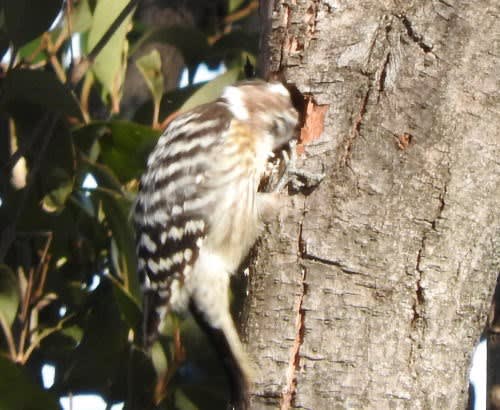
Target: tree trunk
{"type": "Point", "coordinates": [372, 290]}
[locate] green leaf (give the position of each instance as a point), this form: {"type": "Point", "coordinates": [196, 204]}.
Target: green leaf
{"type": "Point", "coordinates": [116, 210]}
{"type": "Point", "coordinates": [27, 19]}
{"type": "Point", "coordinates": [104, 176]}
{"type": "Point", "coordinates": [234, 5]}
{"type": "Point", "coordinates": [124, 164]}
{"type": "Point", "coordinates": [124, 145]}
{"type": "Point", "coordinates": [86, 135]}
{"type": "Point", "coordinates": [170, 103]}
{"type": "Point", "coordinates": [55, 200]}
{"type": "Point", "coordinates": [9, 294]}
{"type": "Point", "coordinates": [211, 90]}
{"type": "Point", "coordinates": [128, 305]}
{"type": "Point", "coordinates": [74, 332]}
{"type": "Point", "coordinates": [149, 66]}
{"type": "Point", "coordinates": [17, 391]}
{"type": "Point", "coordinates": [84, 203]}
{"type": "Point", "coordinates": [182, 402]}
{"type": "Point", "coordinates": [42, 88]}
{"type": "Point", "coordinates": [109, 65]}
{"type": "Point", "coordinates": [93, 365]}
{"type": "Point", "coordinates": [27, 52]}
{"type": "Point", "coordinates": [81, 16]}
{"type": "Point", "coordinates": [132, 137]}
{"type": "Point", "coordinates": [124, 135]}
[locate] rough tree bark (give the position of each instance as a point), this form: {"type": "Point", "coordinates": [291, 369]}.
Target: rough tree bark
{"type": "Point", "coordinates": [371, 291]}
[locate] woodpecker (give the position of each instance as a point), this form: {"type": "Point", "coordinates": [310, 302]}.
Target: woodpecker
{"type": "Point", "coordinates": [198, 212]}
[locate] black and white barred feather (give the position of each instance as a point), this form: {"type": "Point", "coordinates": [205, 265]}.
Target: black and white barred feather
{"type": "Point", "coordinates": [198, 211]}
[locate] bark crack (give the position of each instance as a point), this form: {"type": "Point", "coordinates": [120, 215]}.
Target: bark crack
{"type": "Point", "coordinates": [289, 391]}
{"type": "Point", "coordinates": [329, 262]}
{"type": "Point", "coordinates": [419, 301]}
{"type": "Point", "coordinates": [383, 75]}
{"type": "Point", "coordinates": [416, 38]}
{"type": "Point", "coordinates": [355, 128]}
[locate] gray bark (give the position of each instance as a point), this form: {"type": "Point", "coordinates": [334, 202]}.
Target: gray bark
{"type": "Point", "coordinates": [371, 291]}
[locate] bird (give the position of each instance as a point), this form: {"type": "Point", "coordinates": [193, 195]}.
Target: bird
{"type": "Point", "coordinates": [199, 211]}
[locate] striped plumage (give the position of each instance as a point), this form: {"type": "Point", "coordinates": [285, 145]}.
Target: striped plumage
{"type": "Point", "coordinates": [198, 211]}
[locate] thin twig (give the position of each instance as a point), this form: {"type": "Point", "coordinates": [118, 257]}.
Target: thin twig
{"type": "Point", "coordinates": [25, 316]}
{"type": "Point", "coordinates": [42, 45]}
{"type": "Point", "coordinates": [85, 95]}
{"type": "Point", "coordinates": [164, 379]}
{"type": "Point", "coordinates": [42, 335]}
{"type": "Point", "coordinates": [156, 114]}
{"type": "Point", "coordinates": [70, 32]}
{"type": "Point", "coordinates": [131, 382]}
{"type": "Point", "coordinates": [162, 125]}
{"type": "Point", "coordinates": [27, 296]}
{"type": "Point", "coordinates": [245, 11]}
{"type": "Point", "coordinates": [56, 65]}
{"type": "Point", "coordinates": [230, 19]}
{"type": "Point", "coordinates": [43, 266]}
{"type": "Point", "coordinates": [63, 36]}
{"type": "Point", "coordinates": [51, 51]}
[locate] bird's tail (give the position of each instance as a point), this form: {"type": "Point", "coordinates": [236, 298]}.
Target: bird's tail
{"type": "Point", "coordinates": [231, 353]}
{"type": "Point", "coordinates": [151, 306]}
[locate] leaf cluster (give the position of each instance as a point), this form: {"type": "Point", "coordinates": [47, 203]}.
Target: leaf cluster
{"type": "Point", "coordinates": [69, 292]}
